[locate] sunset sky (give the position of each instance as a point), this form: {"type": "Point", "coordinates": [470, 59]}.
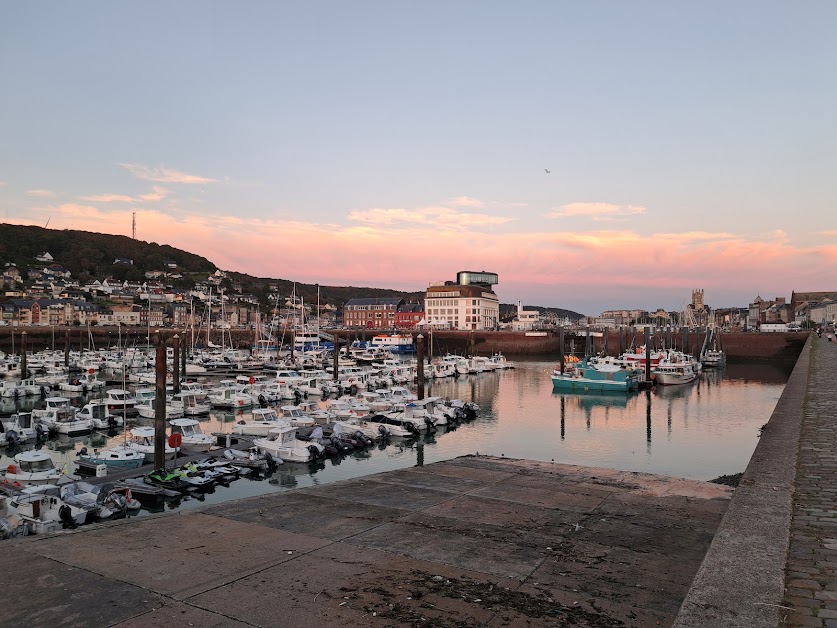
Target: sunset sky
{"type": "Point", "coordinates": [392, 143]}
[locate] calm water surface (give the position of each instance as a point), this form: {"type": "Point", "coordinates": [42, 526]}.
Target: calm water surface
{"type": "Point", "coordinates": [700, 430]}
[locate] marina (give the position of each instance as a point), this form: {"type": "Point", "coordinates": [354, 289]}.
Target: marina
{"type": "Point", "coordinates": [694, 431]}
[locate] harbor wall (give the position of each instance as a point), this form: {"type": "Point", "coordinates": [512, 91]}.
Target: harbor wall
{"type": "Point", "coordinates": [739, 346]}
{"type": "Point", "coordinates": [741, 582]}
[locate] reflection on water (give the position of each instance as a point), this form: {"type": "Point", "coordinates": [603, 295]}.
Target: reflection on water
{"type": "Point", "coordinates": [700, 430]}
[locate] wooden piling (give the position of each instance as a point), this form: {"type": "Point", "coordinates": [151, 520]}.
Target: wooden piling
{"type": "Point", "coordinates": [183, 351]}
{"type": "Point", "coordinates": [23, 369]}
{"type": "Point", "coordinates": [176, 363]}
{"type": "Point", "coordinates": [647, 354]}
{"type": "Point", "coordinates": [561, 347]}
{"type": "Point", "coordinates": [67, 350]}
{"type": "Point", "coordinates": [160, 405]}
{"type": "Point", "coordinates": [336, 356]}
{"type": "Point", "coordinates": [420, 365]}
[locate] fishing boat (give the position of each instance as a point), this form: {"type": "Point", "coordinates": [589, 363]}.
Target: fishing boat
{"type": "Point", "coordinates": [713, 358]}
{"type": "Point", "coordinates": [588, 378]}
{"type": "Point", "coordinates": [667, 374]}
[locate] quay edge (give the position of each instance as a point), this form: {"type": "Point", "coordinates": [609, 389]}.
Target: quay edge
{"type": "Point", "coordinates": [741, 581]}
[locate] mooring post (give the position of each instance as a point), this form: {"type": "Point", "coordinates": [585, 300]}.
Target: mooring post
{"type": "Point", "coordinates": [647, 354]}
{"type": "Point", "coordinates": [686, 340]}
{"type": "Point", "coordinates": [621, 341]}
{"type": "Point", "coordinates": [23, 368]}
{"type": "Point", "coordinates": [160, 405]}
{"type": "Point", "coordinates": [176, 363]}
{"type": "Point", "coordinates": [668, 336]}
{"type": "Point", "coordinates": [561, 347]}
{"type": "Point", "coordinates": [420, 365]}
{"type": "Point", "coordinates": [336, 357]}
{"type": "Point", "coordinates": [183, 351]}
{"type": "Point", "coordinates": [67, 349]}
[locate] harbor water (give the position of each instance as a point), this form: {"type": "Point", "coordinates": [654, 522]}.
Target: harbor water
{"type": "Point", "coordinates": [700, 430]}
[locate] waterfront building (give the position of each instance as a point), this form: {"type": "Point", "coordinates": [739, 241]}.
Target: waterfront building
{"type": "Point", "coordinates": [409, 315]}
{"type": "Point", "coordinates": [824, 312]}
{"type": "Point", "coordinates": [371, 313]}
{"type": "Point", "coordinates": [526, 320]}
{"type": "Point", "coordinates": [470, 303]}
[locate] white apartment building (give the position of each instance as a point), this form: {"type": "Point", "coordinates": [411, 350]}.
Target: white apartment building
{"type": "Point", "coordinates": [462, 307]}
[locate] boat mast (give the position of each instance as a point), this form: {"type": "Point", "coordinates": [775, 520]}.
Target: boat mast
{"type": "Point", "coordinates": [208, 317]}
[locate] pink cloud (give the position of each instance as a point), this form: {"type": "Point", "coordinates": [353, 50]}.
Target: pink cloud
{"type": "Point", "coordinates": [164, 175]}
{"type": "Point", "coordinates": [108, 198]}
{"type": "Point", "coordinates": [41, 193]}
{"type": "Point", "coordinates": [438, 217]}
{"type": "Point", "coordinates": [408, 255]}
{"type": "Point", "coordinates": [466, 201]}
{"type": "Point", "coordinates": [596, 211]}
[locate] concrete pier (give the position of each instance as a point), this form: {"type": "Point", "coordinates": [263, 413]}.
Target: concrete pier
{"type": "Point", "coordinates": [474, 541]}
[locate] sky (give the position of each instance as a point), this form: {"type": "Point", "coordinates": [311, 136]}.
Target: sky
{"type": "Point", "coordinates": [596, 155]}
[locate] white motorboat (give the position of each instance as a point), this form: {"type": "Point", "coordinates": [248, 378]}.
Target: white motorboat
{"type": "Point", "coordinates": [191, 434]}
{"type": "Point", "coordinates": [395, 424]}
{"type": "Point", "coordinates": [264, 420]}
{"type": "Point", "coordinates": [367, 428]}
{"type": "Point", "coordinates": [42, 510]}
{"type": "Point", "coordinates": [20, 428]}
{"type": "Point", "coordinates": [60, 417]}
{"type": "Point", "coordinates": [120, 401]}
{"type": "Point", "coordinates": [142, 440]}
{"type": "Point", "coordinates": [667, 374]}
{"type": "Point", "coordinates": [147, 409]}
{"type": "Point", "coordinates": [191, 403]}
{"type": "Point", "coordinates": [32, 467]}
{"type": "Point", "coordinates": [119, 457]}
{"type": "Point", "coordinates": [97, 412]}
{"type": "Point", "coordinates": [282, 442]}
{"type": "Point", "coordinates": [229, 398]}
{"type": "Point", "coordinates": [296, 417]}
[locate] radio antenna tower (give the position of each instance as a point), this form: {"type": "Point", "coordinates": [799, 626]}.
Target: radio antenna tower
{"type": "Point", "coordinates": [134, 226]}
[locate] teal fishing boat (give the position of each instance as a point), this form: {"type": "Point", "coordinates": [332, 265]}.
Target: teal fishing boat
{"type": "Point", "coordinates": [587, 377]}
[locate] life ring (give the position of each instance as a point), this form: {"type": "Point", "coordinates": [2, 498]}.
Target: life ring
{"type": "Point", "coordinates": [74, 382]}
{"type": "Point", "coordinates": [175, 440]}
{"type": "Point", "coordinates": [12, 469]}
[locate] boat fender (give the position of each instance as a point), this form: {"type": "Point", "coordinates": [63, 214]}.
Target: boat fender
{"type": "Point", "coordinates": [82, 451]}
{"type": "Point", "coordinates": [12, 438]}
{"type": "Point", "coordinates": [270, 460]}
{"type": "Point", "coordinates": [410, 427]}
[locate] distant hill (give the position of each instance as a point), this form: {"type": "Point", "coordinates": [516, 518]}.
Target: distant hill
{"type": "Point", "coordinates": [87, 254]}
{"type": "Point", "coordinates": [91, 255]}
